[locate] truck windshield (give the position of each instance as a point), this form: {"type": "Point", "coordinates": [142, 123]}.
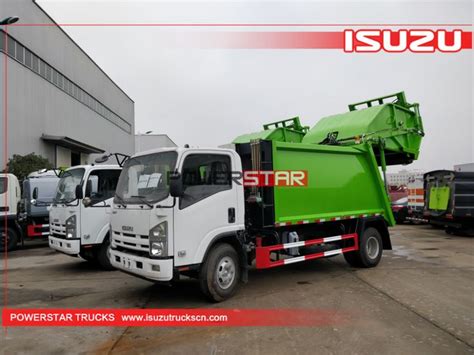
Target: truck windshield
{"type": "Point", "coordinates": [145, 179]}
{"type": "Point", "coordinates": [66, 191]}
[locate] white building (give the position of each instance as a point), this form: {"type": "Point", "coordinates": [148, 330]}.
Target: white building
{"type": "Point", "coordinates": [61, 104]}
{"type": "Point", "coordinates": [152, 141]}
{"type": "Point", "coordinates": [403, 177]}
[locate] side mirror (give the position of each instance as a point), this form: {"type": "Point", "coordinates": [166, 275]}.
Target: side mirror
{"type": "Point", "coordinates": [79, 194]}
{"type": "Point", "coordinates": [176, 185]}
{"type": "Point", "coordinates": [35, 193]}
{"type": "Point", "coordinates": [88, 188]}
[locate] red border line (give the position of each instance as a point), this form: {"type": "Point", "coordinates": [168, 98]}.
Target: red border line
{"type": "Point", "coordinates": [5, 67]}
{"type": "Point", "coordinates": [5, 142]}
{"type": "Point", "coordinates": [245, 24]}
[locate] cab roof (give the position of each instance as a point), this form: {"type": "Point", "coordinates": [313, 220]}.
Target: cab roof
{"type": "Point", "coordinates": [181, 150]}
{"type": "Point", "coordinates": [96, 166]}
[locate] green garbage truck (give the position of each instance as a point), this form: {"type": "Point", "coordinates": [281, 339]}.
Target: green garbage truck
{"type": "Point", "coordinates": [283, 195]}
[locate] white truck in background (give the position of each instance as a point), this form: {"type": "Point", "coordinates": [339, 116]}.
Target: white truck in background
{"type": "Point", "coordinates": [416, 199]}
{"type": "Point", "coordinates": [79, 223]}
{"type": "Point", "coordinates": [10, 194]}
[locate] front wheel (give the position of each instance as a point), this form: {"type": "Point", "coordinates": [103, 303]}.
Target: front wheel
{"type": "Point", "coordinates": [87, 255]}
{"type": "Point", "coordinates": [220, 273]}
{"type": "Point", "coordinates": [102, 256]}
{"type": "Point", "coordinates": [370, 250]}
{"type": "Point", "coordinates": [8, 239]}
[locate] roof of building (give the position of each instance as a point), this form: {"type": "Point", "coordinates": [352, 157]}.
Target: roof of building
{"type": "Point", "coordinates": [155, 135]}
{"type": "Point", "coordinates": [73, 144]}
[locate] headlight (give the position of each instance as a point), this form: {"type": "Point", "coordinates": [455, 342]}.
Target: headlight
{"type": "Point", "coordinates": [157, 249]}
{"type": "Point", "coordinates": [158, 238]}
{"type": "Point", "coordinates": [71, 227]}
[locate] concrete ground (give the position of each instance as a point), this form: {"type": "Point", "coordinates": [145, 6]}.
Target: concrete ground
{"type": "Point", "coordinates": [419, 300]}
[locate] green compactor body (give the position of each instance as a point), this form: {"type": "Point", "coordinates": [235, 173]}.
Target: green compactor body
{"type": "Point", "coordinates": [344, 156]}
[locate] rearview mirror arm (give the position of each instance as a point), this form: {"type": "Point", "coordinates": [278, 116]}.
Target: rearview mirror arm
{"type": "Point", "coordinates": [172, 206]}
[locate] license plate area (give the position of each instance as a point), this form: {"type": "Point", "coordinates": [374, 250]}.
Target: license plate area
{"type": "Point", "coordinates": [55, 243]}
{"type": "Point", "coordinates": [126, 263]}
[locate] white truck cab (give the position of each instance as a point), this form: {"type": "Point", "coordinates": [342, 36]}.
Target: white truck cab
{"type": "Point", "coordinates": [79, 222]}
{"type": "Point", "coordinates": [10, 193]}
{"type": "Point", "coordinates": [10, 196]}
{"type": "Point", "coordinates": [154, 235]}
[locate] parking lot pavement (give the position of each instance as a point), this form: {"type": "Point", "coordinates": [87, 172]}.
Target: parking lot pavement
{"type": "Point", "coordinates": [420, 299]}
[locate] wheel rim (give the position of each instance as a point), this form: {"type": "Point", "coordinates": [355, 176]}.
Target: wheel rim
{"type": "Point", "coordinates": [4, 236]}
{"type": "Point", "coordinates": [373, 247]}
{"type": "Point", "coordinates": [225, 272]}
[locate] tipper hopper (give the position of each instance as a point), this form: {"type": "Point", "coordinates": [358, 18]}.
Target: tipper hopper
{"type": "Point", "coordinates": [388, 123]}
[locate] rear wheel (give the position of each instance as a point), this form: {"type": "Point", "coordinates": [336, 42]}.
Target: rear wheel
{"type": "Point", "coordinates": [220, 274]}
{"type": "Point", "coordinates": [370, 250]}
{"type": "Point", "coordinates": [8, 238]}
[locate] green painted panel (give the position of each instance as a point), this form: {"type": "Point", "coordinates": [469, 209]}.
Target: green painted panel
{"type": "Point", "coordinates": [342, 181]}
{"type": "Point", "coordinates": [439, 198]}
{"type": "Point", "coordinates": [289, 130]}
{"type": "Point", "coordinates": [276, 134]}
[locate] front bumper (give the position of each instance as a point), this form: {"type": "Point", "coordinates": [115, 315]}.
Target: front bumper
{"type": "Point", "coordinates": [66, 246]}
{"type": "Point", "coordinates": [151, 269]}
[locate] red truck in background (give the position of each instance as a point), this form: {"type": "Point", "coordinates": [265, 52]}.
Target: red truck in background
{"type": "Point", "coordinates": [399, 201]}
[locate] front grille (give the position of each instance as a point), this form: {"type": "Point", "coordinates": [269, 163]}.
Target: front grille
{"type": "Point", "coordinates": [58, 230]}
{"type": "Point", "coordinates": [130, 241]}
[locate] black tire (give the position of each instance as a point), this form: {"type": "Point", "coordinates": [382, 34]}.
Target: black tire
{"type": "Point", "coordinates": [370, 250]}
{"type": "Point", "coordinates": [102, 256]}
{"type": "Point", "coordinates": [402, 216]}
{"type": "Point", "coordinates": [11, 236]}
{"type": "Point", "coordinates": [87, 255]}
{"type": "Point", "coordinates": [220, 274]}
{"type": "Point", "coordinates": [353, 259]}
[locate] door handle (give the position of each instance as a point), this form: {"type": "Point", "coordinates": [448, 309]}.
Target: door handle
{"type": "Point", "coordinates": [231, 215]}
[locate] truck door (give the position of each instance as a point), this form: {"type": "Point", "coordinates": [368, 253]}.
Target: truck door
{"type": "Point", "coordinates": [100, 188]}
{"type": "Point", "coordinates": [208, 206]}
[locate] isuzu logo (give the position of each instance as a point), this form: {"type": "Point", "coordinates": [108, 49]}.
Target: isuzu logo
{"type": "Point", "coordinates": [127, 228]}
{"type": "Point", "coordinates": [417, 41]}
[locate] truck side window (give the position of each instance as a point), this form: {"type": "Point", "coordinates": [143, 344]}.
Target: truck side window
{"type": "Point", "coordinates": [101, 184]}
{"type": "Point", "coordinates": [3, 184]}
{"type": "Point", "coordinates": [204, 175]}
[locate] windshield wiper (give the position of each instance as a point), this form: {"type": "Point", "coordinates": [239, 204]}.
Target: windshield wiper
{"type": "Point", "coordinates": [121, 202]}
{"type": "Point", "coordinates": [62, 201]}
{"type": "Point", "coordinates": [68, 202]}
{"type": "Point", "coordinates": [143, 200]}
